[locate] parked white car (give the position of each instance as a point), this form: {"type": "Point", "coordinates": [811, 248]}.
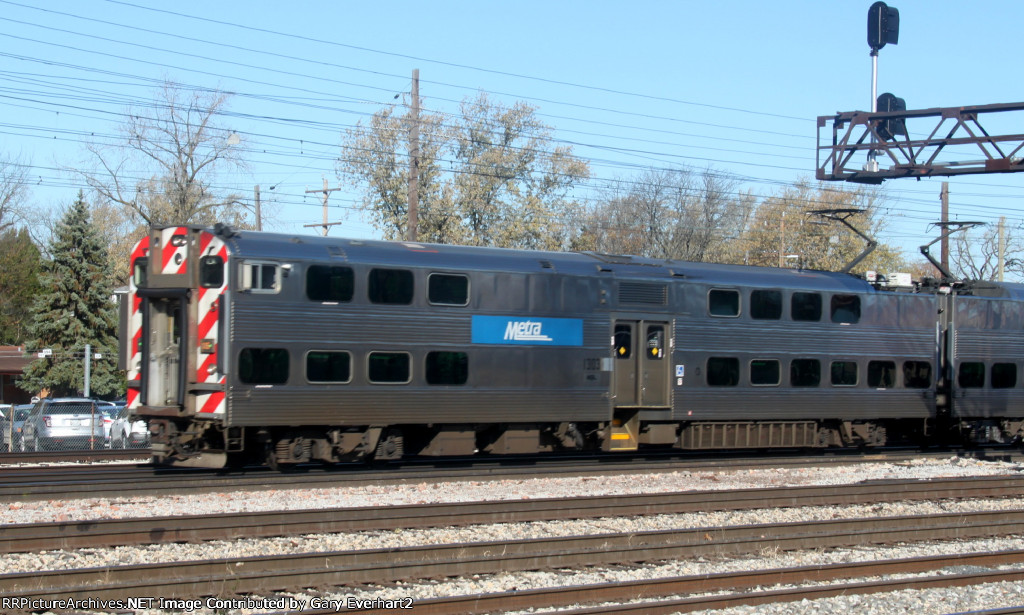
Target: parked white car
{"type": "Point", "coordinates": [128, 432]}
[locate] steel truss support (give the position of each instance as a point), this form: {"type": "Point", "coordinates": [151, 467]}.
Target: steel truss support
{"type": "Point", "coordinates": [957, 129]}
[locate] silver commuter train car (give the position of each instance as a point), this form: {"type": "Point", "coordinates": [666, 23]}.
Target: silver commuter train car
{"type": "Point", "coordinates": [245, 346]}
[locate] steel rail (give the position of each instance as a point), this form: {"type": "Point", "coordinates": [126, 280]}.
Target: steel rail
{"type": "Point", "coordinates": [628, 594]}
{"type": "Point", "coordinates": [77, 482]}
{"type": "Point", "coordinates": [220, 577]}
{"type": "Point", "coordinates": [16, 538]}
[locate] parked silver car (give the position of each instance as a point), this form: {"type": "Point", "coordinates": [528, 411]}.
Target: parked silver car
{"type": "Point", "coordinates": [64, 423]}
{"type": "Point", "coordinates": [128, 431]}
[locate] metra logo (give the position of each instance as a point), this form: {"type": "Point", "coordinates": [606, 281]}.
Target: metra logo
{"type": "Point", "coordinates": [526, 331]}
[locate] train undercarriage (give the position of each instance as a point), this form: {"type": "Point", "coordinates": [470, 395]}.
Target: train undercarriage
{"type": "Point", "coordinates": [180, 442]}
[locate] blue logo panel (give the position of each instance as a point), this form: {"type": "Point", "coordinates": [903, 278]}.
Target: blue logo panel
{"type": "Point", "coordinates": [524, 331]}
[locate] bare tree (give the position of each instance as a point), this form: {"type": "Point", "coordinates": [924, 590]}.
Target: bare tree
{"type": "Point", "coordinates": [163, 172]}
{"type": "Point", "coordinates": [668, 213]}
{"type": "Point", "coordinates": [13, 192]}
{"type": "Point", "coordinates": [978, 258]}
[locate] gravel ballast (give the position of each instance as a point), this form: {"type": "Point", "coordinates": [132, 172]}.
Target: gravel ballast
{"type": "Point", "coordinates": [931, 601]}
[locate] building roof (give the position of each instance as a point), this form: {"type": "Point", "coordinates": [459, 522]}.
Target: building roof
{"type": "Point", "coordinates": [13, 360]}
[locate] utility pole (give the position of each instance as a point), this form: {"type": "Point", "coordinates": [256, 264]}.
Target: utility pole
{"type": "Point", "coordinates": [782, 240]}
{"type": "Point", "coordinates": [259, 216]}
{"type": "Point", "coordinates": [1002, 248]}
{"type": "Point", "coordinates": [325, 224]}
{"type": "Point", "coordinates": [414, 157]}
{"type": "Point", "coordinates": [944, 246]}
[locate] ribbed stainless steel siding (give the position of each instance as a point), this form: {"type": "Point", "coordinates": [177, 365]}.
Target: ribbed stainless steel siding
{"type": "Point", "coordinates": [384, 404]}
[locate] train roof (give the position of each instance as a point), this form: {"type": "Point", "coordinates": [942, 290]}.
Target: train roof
{"type": "Point", "coordinates": [277, 246]}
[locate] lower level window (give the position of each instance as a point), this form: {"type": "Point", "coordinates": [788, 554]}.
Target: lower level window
{"type": "Point", "coordinates": [723, 371]}
{"type": "Point", "coordinates": [447, 368]}
{"type": "Point", "coordinates": [917, 374]}
{"type": "Point", "coordinates": [971, 375]}
{"type": "Point", "coordinates": [764, 372]}
{"type": "Point", "coordinates": [805, 372]}
{"type": "Point", "coordinates": [328, 367]}
{"type": "Point", "coordinates": [844, 373]}
{"type": "Point", "coordinates": [388, 367]}
{"type": "Point", "coordinates": [263, 366]}
{"type": "Point", "coordinates": [1004, 375]}
{"type": "Point", "coordinates": [881, 374]}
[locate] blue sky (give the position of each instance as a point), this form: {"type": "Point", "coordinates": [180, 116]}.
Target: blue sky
{"type": "Point", "coordinates": [732, 85]}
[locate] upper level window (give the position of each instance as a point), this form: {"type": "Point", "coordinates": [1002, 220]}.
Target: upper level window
{"type": "Point", "coordinates": [805, 306]}
{"type": "Point", "coordinates": [261, 277]}
{"type": "Point", "coordinates": [766, 304]}
{"type": "Point", "coordinates": [329, 283]}
{"type": "Point", "coordinates": [723, 302]}
{"type": "Point", "coordinates": [140, 272]}
{"type": "Point", "coordinates": [391, 286]}
{"type": "Point", "coordinates": [845, 309]}
{"type": "Point", "coordinates": [448, 289]}
{"type": "Point", "coordinates": [211, 271]}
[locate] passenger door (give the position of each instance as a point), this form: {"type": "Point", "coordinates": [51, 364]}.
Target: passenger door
{"type": "Point", "coordinates": [164, 358]}
{"type": "Point", "coordinates": [642, 362]}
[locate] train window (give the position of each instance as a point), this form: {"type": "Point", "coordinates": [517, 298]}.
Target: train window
{"type": "Point", "coordinates": [881, 374]}
{"type": "Point", "coordinates": [324, 366]}
{"type": "Point", "coordinates": [623, 341]}
{"type": "Point", "coordinates": [845, 309]}
{"type": "Point", "coordinates": [447, 368]}
{"type": "Point", "coordinates": [724, 302]}
{"type": "Point", "coordinates": [765, 372]}
{"type": "Point", "coordinates": [448, 289]}
{"type": "Point", "coordinates": [261, 277]}
{"type": "Point", "coordinates": [723, 371]}
{"type": "Point", "coordinates": [917, 374]}
{"type": "Point", "coordinates": [263, 366]}
{"type": "Point", "coordinates": [329, 283]}
{"type": "Point", "coordinates": [766, 304]}
{"type": "Point", "coordinates": [844, 373]}
{"type": "Point", "coordinates": [391, 286]}
{"type": "Point", "coordinates": [656, 342]}
{"type": "Point", "coordinates": [211, 271]}
{"type": "Point", "coordinates": [972, 375]}
{"type": "Point", "coordinates": [389, 367]}
{"type": "Point", "coordinates": [140, 272]}
{"type": "Point", "coordinates": [805, 306]}
{"type": "Point", "coordinates": [805, 372]}
{"type": "Point", "coordinates": [1004, 375]}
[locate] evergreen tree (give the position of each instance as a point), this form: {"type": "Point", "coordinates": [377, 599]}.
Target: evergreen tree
{"type": "Point", "coordinates": [74, 309]}
{"type": "Point", "coordinates": [19, 284]}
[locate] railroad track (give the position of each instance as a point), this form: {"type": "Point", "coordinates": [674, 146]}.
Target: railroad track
{"type": "Point", "coordinates": [258, 575]}
{"type": "Point", "coordinates": [652, 597]}
{"type": "Point", "coordinates": [196, 528]}
{"type": "Point", "coordinates": [22, 484]}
